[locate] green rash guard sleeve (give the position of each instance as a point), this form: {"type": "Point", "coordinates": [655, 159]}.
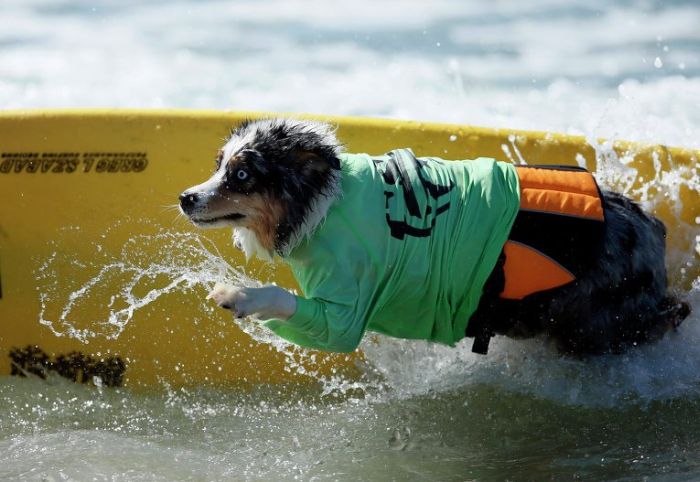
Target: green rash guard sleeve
{"type": "Point", "coordinates": [405, 251]}
{"type": "Point", "coordinates": [321, 325]}
{"type": "Point", "coordinates": [330, 320]}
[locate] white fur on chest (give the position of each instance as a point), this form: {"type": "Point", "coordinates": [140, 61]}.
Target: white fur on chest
{"type": "Point", "coordinates": [246, 240]}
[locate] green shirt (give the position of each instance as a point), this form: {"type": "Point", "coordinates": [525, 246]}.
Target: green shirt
{"type": "Point", "coordinates": [405, 252]}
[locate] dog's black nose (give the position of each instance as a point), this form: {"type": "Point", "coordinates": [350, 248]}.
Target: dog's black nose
{"type": "Point", "coordinates": [187, 200]}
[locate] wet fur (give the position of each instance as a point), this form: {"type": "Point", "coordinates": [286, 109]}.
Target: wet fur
{"type": "Point", "coordinates": [622, 301]}
{"type": "Point", "coordinates": [301, 175]}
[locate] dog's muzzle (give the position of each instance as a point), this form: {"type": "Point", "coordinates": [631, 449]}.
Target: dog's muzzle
{"type": "Point", "coordinates": [188, 201]}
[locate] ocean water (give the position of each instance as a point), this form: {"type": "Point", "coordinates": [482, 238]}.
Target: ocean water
{"type": "Point", "coordinates": [623, 70]}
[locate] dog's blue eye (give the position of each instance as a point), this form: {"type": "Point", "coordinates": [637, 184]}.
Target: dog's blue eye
{"type": "Point", "coordinates": [241, 174]}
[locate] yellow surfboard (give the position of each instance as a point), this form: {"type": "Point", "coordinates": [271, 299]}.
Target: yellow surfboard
{"type": "Point", "coordinates": [103, 283]}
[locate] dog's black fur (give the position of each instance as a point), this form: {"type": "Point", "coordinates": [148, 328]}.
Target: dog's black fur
{"type": "Point", "coordinates": [621, 301]}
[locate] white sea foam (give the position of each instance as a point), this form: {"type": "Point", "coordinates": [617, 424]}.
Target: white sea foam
{"type": "Point", "coordinates": [585, 68]}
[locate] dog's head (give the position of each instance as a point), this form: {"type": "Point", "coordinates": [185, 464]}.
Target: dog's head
{"type": "Point", "coordinates": [270, 179]}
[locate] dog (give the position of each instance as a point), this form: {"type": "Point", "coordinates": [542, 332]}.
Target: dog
{"type": "Point", "coordinates": [424, 248]}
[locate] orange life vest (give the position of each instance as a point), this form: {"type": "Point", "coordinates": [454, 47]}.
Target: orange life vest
{"type": "Point", "coordinates": [561, 220]}
{"type": "Point", "coordinates": [557, 235]}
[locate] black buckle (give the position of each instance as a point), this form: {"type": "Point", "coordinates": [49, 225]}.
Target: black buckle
{"type": "Point", "coordinates": [481, 343]}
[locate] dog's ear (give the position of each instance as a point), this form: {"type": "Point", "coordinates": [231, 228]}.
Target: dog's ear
{"type": "Point", "coordinates": [309, 162]}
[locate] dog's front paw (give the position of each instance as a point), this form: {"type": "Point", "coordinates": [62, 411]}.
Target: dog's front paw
{"type": "Point", "coordinates": [227, 297]}
{"type": "Point", "coordinates": [265, 303]}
